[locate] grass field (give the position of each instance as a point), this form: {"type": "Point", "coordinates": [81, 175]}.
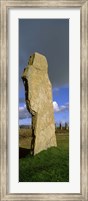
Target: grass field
{"type": "Point", "coordinates": [51, 165]}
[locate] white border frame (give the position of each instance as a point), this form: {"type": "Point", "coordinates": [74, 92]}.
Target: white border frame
{"type": "Point", "coordinates": [74, 62]}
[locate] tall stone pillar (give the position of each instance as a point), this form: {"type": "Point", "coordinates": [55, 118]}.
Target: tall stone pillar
{"type": "Point", "coordinates": [38, 97]}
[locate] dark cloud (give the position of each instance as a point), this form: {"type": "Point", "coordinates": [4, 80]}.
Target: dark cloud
{"type": "Point", "coordinates": [49, 37]}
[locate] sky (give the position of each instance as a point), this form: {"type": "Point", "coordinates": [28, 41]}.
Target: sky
{"type": "Point", "coordinates": [49, 37]}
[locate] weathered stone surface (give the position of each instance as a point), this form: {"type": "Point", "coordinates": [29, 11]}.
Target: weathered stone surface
{"type": "Point", "coordinates": [38, 96]}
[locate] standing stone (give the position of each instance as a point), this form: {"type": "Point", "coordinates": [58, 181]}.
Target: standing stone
{"type": "Point", "coordinates": [60, 126]}
{"type": "Point", "coordinates": [38, 96]}
{"type": "Point", "coordinates": [66, 126]}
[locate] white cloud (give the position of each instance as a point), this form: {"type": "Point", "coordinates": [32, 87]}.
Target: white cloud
{"type": "Point", "coordinates": [64, 107]}
{"type": "Point", "coordinates": [61, 108]}
{"type": "Point", "coordinates": [23, 112]}
{"type": "Point", "coordinates": [22, 107]}
{"type": "Point", "coordinates": [55, 106]}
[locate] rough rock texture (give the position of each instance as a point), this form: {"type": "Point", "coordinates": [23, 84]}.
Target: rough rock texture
{"type": "Point", "coordinates": [38, 96]}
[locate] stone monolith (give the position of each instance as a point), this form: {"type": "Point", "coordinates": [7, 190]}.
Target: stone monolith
{"type": "Point", "coordinates": [38, 96]}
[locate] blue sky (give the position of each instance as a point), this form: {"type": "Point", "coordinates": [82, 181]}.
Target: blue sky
{"type": "Point", "coordinates": [51, 38]}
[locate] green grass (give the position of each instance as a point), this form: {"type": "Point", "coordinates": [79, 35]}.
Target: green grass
{"type": "Point", "coordinates": [51, 165]}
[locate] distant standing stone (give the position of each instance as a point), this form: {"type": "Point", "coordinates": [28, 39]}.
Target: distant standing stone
{"type": "Point", "coordinates": [38, 96]}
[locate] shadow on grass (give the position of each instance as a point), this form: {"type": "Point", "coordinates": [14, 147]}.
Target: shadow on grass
{"type": "Point", "coordinates": [24, 152]}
